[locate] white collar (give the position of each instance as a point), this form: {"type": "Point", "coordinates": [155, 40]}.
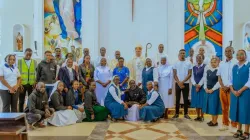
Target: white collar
{"type": "Point", "coordinates": [200, 65]}
{"type": "Point", "coordinates": [151, 91]}
{"type": "Point", "coordinates": [243, 64]}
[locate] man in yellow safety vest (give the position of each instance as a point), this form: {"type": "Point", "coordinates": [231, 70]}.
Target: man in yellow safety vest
{"type": "Point", "coordinates": [27, 68]}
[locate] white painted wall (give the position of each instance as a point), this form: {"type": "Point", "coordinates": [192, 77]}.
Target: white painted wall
{"type": "Point", "coordinates": [241, 16]}
{"type": "Point", "coordinates": [108, 24]}
{"type": "Point", "coordinates": [118, 32]}
{"type": "Point", "coordinates": [16, 12]}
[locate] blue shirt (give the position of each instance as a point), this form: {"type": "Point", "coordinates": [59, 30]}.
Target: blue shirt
{"type": "Point", "coordinates": [123, 73]}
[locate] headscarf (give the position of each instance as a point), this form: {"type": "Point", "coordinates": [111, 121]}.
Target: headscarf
{"type": "Point", "coordinates": [164, 57]}
{"type": "Point", "coordinates": [54, 89]}
{"type": "Point", "coordinates": [118, 88]}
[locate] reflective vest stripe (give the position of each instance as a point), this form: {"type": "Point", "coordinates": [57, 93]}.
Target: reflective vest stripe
{"type": "Point", "coordinates": [28, 75]}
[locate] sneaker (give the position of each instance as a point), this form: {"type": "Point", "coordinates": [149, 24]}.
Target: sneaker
{"type": "Point", "coordinates": [223, 128]}
{"type": "Point", "coordinates": [176, 116]}
{"type": "Point", "coordinates": [187, 117]}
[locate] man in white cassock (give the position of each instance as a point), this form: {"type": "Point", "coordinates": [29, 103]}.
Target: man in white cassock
{"type": "Point", "coordinates": [103, 55]}
{"type": "Point", "coordinates": [136, 65]}
{"type": "Point", "coordinates": [160, 54]}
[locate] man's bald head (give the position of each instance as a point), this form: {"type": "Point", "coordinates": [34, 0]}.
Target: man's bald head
{"type": "Point", "coordinates": [103, 51]}
{"type": "Point", "coordinates": [40, 87]}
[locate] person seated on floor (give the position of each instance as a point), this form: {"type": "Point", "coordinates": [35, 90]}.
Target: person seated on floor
{"type": "Point", "coordinates": [64, 115]}
{"type": "Point", "coordinates": [94, 111]}
{"type": "Point", "coordinates": [38, 108]}
{"type": "Point", "coordinates": [154, 108]}
{"type": "Point", "coordinates": [74, 99]}
{"type": "Point", "coordinates": [117, 108]}
{"type": "Point", "coordinates": [134, 97]}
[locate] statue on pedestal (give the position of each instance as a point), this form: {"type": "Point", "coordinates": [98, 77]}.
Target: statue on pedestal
{"type": "Point", "coordinates": [19, 42]}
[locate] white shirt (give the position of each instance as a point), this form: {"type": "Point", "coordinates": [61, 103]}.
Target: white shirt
{"type": "Point", "coordinates": [114, 95]}
{"type": "Point", "coordinates": [28, 62]}
{"type": "Point", "coordinates": [182, 68]}
{"type": "Point", "coordinates": [69, 69]}
{"type": "Point", "coordinates": [99, 58]}
{"type": "Point", "coordinates": [225, 70]}
{"type": "Point", "coordinates": [217, 85]}
{"type": "Point", "coordinates": [158, 58]}
{"type": "Point", "coordinates": [153, 97]}
{"type": "Point", "coordinates": [248, 81]}
{"type": "Point", "coordinates": [202, 79]}
{"type": "Point", "coordinates": [10, 75]}
{"type": "Point", "coordinates": [74, 65]}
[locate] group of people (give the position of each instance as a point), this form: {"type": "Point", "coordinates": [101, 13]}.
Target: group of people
{"type": "Point", "coordinates": [63, 91]}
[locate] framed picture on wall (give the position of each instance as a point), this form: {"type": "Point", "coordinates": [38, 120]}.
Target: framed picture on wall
{"type": "Point", "coordinates": [19, 39]}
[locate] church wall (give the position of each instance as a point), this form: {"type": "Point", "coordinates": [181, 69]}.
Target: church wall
{"type": "Point", "coordinates": [109, 24]}
{"type": "Point", "coordinates": [241, 16]}
{"type": "Point", "coordinates": [117, 31]}
{"type": "Point", "coordinates": [16, 12]}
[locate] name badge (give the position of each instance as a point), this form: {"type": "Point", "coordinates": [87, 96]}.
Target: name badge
{"type": "Point", "coordinates": [52, 69]}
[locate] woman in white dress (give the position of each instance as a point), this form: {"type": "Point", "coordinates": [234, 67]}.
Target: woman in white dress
{"type": "Point", "coordinates": [165, 73]}
{"type": "Point", "coordinates": [103, 77]}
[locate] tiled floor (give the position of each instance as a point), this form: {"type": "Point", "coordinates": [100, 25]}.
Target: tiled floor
{"type": "Point", "coordinates": [179, 129]}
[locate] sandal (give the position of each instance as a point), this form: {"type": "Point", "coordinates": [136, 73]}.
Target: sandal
{"type": "Point", "coordinates": [244, 136]}
{"type": "Point", "coordinates": [238, 134]}
{"type": "Point", "coordinates": [209, 123]}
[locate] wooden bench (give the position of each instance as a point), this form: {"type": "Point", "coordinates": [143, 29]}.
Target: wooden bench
{"type": "Point", "coordinates": [13, 126]}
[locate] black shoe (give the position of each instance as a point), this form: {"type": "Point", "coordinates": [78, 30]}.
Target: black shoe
{"type": "Point", "coordinates": [245, 136]}
{"type": "Point", "coordinates": [209, 122]}
{"type": "Point", "coordinates": [197, 119]}
{"type": "Point", "coordinates": [187, 117]}
{"type": "Point", "coordinates": [176, 116]}
{"type": "Point", "coordinates": [213, 124]}
{"type": "Point", "coordinates": [238, 134]}
{"type": "Point", "coordinates": [201, 119]}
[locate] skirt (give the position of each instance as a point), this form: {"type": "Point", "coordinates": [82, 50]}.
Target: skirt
{"type": "Point", "coordinates": [212, 104]}
{"type": "Point", "coordinates": [117, 110]}
{"type": "Point", "coordinates": [63, 118]}
{"type": "Point", "coordinates": [133, 113]}
{"type": "Point", "coordinates": [101, 114]}
{"type": "Point", "coordinates": [239, 107]}
{"type": "Point", "coordinates": [151, 112]}
{"type": "Point", "coordinates": [80, 115]}
{"type": "Point", "coordinates": [197, 99]}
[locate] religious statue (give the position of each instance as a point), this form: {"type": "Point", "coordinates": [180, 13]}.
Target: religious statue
{"type": "Point", "coordinates": [19, 42]}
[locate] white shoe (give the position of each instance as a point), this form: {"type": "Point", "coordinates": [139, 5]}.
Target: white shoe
{"type": "Point", "coordinates": [223, 128]}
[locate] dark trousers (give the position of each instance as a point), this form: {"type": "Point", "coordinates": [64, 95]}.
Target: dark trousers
{"type": "Point", "coordinates": [185, 94]}
{"type": "Point", "coordinates": [26, 88]}
{"type": "Point", "coordinates": [9, 101]}
{"type": "Point", "coordinates": [49, 90]}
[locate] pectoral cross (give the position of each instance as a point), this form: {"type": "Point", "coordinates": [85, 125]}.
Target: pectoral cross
{"type": "Point", "coordinates": [133, 4]}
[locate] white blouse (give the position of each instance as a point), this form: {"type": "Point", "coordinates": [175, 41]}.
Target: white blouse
{"type": "Point", "coordinates": [114, 95]}
{"type": "Point", "coordinates": [217, 85]}
{"type": "Point", "coordinates": [154, 96]}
